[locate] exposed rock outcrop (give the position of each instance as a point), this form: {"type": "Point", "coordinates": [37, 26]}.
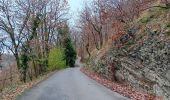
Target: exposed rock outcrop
{"type": "Point", "coordinates": [142, 62]}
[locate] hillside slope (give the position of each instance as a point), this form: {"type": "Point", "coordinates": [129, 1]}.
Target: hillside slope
{"type": "Point", "coordinates": [142, 61]}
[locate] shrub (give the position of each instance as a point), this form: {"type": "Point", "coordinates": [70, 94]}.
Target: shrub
{"type": "Point", "coordinates": [56, 59]}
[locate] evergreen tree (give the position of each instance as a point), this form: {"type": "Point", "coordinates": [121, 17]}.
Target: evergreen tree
{"type": "Point", "coordinates": [70, 53]}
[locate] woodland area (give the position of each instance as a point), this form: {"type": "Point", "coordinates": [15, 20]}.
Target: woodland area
{"type": "Point", "coordinates": [125, 41]}
{"type": "Point", "coordinates": [37, 34]}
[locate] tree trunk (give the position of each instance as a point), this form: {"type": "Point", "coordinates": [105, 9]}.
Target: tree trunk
{"type": "Point", "coordinates": [35, 69]}
{"type": "Point", "coordinates": [30, 74]}
{"type": "Point", "coordinates": [101, 40]}
{"type": "Point", "coordinates": [17, 60]}
{"type": "Point", "coordinates": [113, 72]}
{"type": "Point", "coordinates": [95, 42]}
{"type": "Point", "coordinates": [87, 49]}
{"type": "Point", "coordinates": [47, 55]}
{"type": "Point", "coordinates": [24, 75]}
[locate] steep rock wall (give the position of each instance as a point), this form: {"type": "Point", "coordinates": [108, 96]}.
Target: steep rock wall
{"type": "Point", "coordinates": [145, 66]}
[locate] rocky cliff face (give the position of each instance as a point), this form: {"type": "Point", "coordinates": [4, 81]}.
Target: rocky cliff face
{"type": "Point", "coordinates": [147, 66]}
{"type": "Point", "coordinates": [143, 62]}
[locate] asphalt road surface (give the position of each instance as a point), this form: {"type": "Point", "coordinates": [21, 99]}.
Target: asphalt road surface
{"type": "Point", "coordinates": [70, 84]}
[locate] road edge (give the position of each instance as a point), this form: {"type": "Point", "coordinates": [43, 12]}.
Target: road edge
{"type": "Point", "coordinates": [126, 91]}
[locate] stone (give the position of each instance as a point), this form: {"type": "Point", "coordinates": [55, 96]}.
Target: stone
{"type": "Point", "coordinates": [157, 90]}
{"type": "Point", "coordinates": [168, 75]}
{"type": "Point", "coordinates": [119, 76]}
{"type": "Point", "coordinates": [151, 75]}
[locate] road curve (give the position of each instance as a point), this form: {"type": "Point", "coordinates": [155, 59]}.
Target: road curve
{"type": "Point", "coordinates": [70, 84]}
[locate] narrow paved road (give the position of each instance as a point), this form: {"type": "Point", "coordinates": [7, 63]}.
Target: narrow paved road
{"type": "Point", "coordinates": [70, 84]}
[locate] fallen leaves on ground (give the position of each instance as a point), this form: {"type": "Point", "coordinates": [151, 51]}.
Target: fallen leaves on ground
{"type": "Point", "coordinates": [124, 90]}
{"type": "Point", "coordinates": [12, 92]}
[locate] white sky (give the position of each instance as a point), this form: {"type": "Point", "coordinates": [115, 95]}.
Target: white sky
{"type": "Point", "coordinates": [75, 4]}
{"type": "Point", "coordinates": [75, 8]}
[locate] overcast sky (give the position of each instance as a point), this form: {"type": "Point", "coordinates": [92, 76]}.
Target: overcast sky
{"type": "Point", "coordinates": [75, 4]}
{"type": "Point", "coordinates": [75, 7]}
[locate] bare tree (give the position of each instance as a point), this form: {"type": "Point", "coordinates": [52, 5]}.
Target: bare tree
{"type": "Point", "coordinates": [102, 20]}
{"type": "Point", "coordinates": [12, 23]}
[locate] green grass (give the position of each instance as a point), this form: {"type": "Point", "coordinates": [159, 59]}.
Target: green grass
{"type": "Point", "coordinates": [56, 59]}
